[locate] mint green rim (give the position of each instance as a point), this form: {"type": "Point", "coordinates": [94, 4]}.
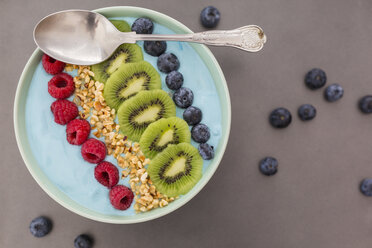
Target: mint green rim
{"type": "Point", "coordinates": [58, 195]}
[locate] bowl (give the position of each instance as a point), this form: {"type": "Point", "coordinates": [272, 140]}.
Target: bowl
{"type": "Point", "coordinates": [25, 144]}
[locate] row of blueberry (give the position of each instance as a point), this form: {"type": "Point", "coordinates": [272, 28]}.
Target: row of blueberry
{"type": "Point", "coordinates": [183, 97]}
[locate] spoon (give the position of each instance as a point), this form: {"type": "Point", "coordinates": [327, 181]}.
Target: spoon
{"type": "Point", "coordinates": [83, 37]}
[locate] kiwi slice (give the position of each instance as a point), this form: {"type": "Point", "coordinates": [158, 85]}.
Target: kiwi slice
{"type": "Point", "coordinates": [138, 112]}
{"type": "Point", "coordinates": [161, 133]}
{"type": "Point", "coordinates": [125, 53]}
{"type": "Point", "coordinates": [128, 80]}
{"type": "Point", "coordinates": [121, 25]}
{"type": "Point", "coordinates": [176, 170]}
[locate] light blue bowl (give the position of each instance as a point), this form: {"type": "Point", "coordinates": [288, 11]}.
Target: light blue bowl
{"type": "Point", "coordinates": [53, 191]}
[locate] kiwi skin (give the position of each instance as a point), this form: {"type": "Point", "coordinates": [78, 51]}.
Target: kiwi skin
{"type": "Point", "coordinates": [153, 134]}
{"type": "Point", "coordinates": [118, 82]}
{"type": "Point", "coordinates": [133, 107]}
{"type": "Point", "coordinates": [181, 182]}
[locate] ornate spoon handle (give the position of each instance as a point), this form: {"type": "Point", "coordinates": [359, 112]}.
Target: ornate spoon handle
{"type": "Point", "coordinates": [249, 38]}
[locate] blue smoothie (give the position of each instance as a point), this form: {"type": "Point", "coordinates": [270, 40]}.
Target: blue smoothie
{"type": "Point", "coordinates": [63, 164]}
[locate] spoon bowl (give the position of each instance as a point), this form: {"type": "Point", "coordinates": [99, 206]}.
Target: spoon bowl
{"type": "Point", "coordinates": [77, 37]}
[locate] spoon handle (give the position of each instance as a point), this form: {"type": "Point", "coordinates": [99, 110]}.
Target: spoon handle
{"type": "Point", "coordinates": [249, 38]}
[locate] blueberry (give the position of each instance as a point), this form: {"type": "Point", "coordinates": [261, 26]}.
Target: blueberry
{"type": "Point", "coordinates": [200, 133]}
{"type": "Point", "coordinates": [206, 151]}
{"type": "Point", "coordinates": [210, 16]}
{"type": "Point", "coordinates": [280, 118]}
{"type": "Point", "coordinates": [174, 80]}
{"type": "Point", "coordinates": [40, 226]}
{"type": "Point", "coordinates": [333, 92]}
{"type": "Point", "coordinates": [306, 112]}
{"type": "Point", "coordinates": [83, 241]}
{"type": "Point", "coordinates": [183, 97]}
{"type": "Point", "coordinates": [168, 62]}
{"type": "Point", "coordinates": [143, 26]}
{"type": "Point", "coordinates": [315, 79]}
{"type": "Point", "coordinates": [268, 166]}
{"type": "Point", "coordinates": [155, 48]}
{"type": "Point", "coordinates": [192, 115]}
{"type": "Point", "coordinates": [366, 187]}
{"type": "Point", "coordinates": [365, 104]}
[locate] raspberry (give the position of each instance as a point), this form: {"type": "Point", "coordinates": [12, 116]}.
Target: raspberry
{"type": "Point", "coordinates": [77, 131]}
{"type": "Point", "coordinates": [106, 174]}
{"type": "Point", "coordinates": [61, 86]}
{"type": "Point", "coordinates": [121, 197]}
{"type": "Point", "coordinates": [64, 111]}
{"type": "Point", "coordinates": [93, 151]}
{"type": "Point", "coordinates": [51, 65]}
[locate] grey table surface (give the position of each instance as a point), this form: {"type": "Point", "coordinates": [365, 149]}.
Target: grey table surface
{"type": "Point", "coordinates": [314, 199]}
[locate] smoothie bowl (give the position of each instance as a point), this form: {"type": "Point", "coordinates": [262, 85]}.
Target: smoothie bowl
{"type": "Point", "coordinates": [163, 128]}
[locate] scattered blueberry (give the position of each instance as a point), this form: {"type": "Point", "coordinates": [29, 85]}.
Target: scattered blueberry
{"type": "Point", "coordinates": [315, 79]}
{"type": "Point", "coordinates": [200, 133]}
{"type": "Point", "coordinates": [268, 166]}
{"type": "Point", "coordinates": [83, 241]}
{"type": "Point", "coordinates": [174, 80]}
{"type": "Point", "coordinates": [366, 187]}
{"type": "Point", "coordinates": [192, 115]}
{"type": "Point", "coordinates": [280, 118]}
{"type": "Point", "coordinates": [306, 112]}
{"type": "Point", "coordinates": [143, 26]}
{"type": "Point", "coordinates": [183, 97]}
{"type": "Point", "coordinates": [333, 92]}
{"type": "Point", "coordinates": [210, 16]}
{"type": "Point", "coordinates": [365, 104]}
{"type": "Point", "coordinates": [206, 151]}
{"type": "Point", "coordinates": [155, 48]}
{"type": "Point", "coordinates": [40, 226]}
{"type": "Point", "coordinates": [168, 62]}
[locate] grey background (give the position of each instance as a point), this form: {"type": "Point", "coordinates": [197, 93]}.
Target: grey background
{"type": "Point", "coordinates": [313, 201]}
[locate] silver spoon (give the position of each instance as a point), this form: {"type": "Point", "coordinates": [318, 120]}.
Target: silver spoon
{"type": "Point", "coordinates": [84, 37]}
